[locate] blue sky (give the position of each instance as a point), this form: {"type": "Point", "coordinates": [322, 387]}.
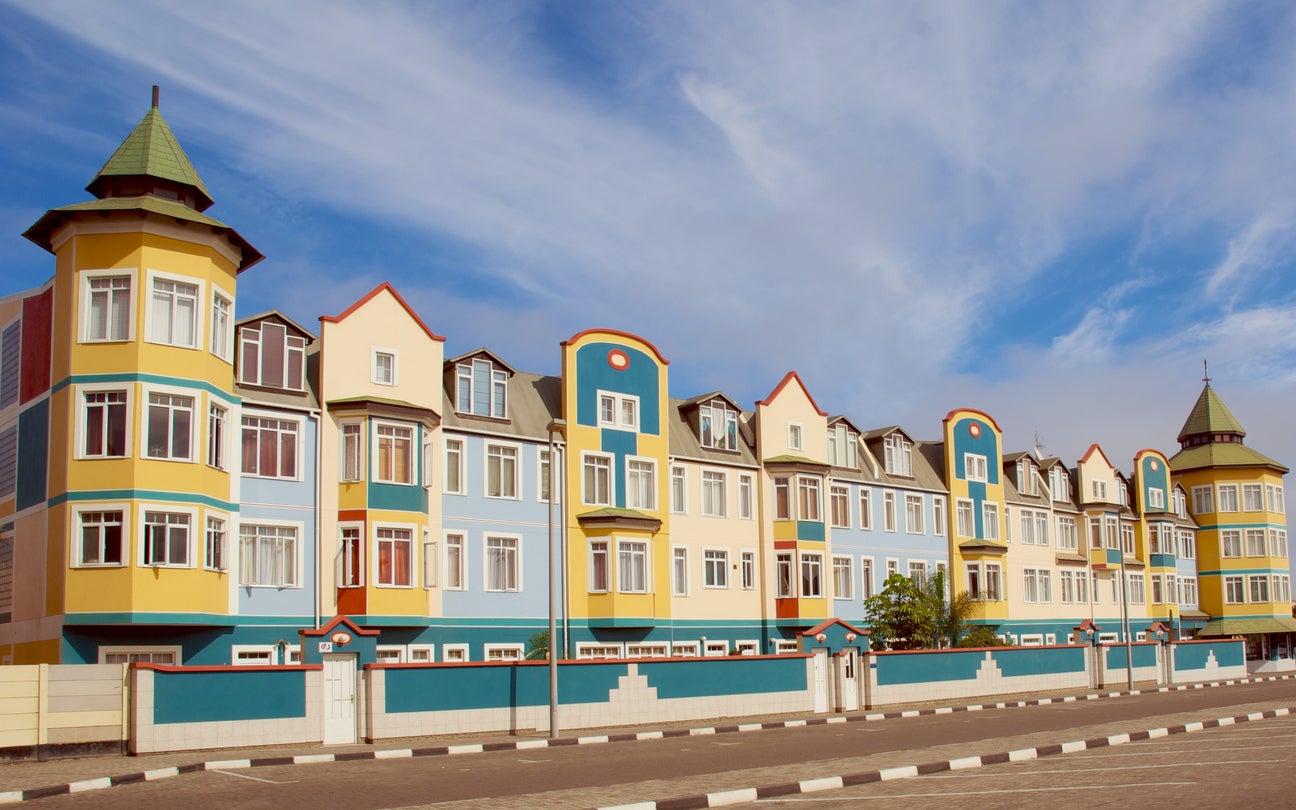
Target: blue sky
{"type": "Point", "coordinates": [1052, 212]}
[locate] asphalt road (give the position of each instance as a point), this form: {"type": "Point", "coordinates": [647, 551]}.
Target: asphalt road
{"type": "Point", "coordinates": [601, 775]}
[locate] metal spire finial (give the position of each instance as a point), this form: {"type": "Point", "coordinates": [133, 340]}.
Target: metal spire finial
{"type": "Point", "coordinates": [1205, 373]}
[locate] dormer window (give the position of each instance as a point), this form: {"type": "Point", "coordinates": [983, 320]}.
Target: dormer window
{"type": "Point", "coordinates": [843, 446]}
{"type": "Point", "coordinates": [481, 389]}
{"type": "Point", "coordinates": [1100, 490]}
{"type": "Point", "coordinates": [718, 425]}
{"type": "Point", "coordinates": [898, 455]}
{"type": "Point", "coordinates": [1026, 477]}
{"type": "Point", "coordinates": [1060, 483]}
{"type": "Point", "coordinates": [270, 357]}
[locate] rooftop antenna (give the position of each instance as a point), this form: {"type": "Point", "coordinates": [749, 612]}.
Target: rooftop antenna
{"type": "Point", "coordinates": [1039, 446]}
{"type": "Point", "coordinates": [1205, 373]}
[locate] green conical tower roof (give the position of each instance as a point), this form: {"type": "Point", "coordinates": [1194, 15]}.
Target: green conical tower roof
{"type": "Point", "coordinates": [1210, 416]}
{"type": "Point", "coordinates": [149, 154]}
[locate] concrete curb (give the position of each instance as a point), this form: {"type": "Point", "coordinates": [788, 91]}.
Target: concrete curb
{"type": "Point", "coordinates": [103, 782]}
{"type": "Point", "coordinates": [751, 794]}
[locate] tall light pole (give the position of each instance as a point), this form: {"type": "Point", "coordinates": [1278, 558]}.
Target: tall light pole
{"type": "Point", "coordinates": [1125, 625]}
{"type": "Point", "coordinates": [555, 427]}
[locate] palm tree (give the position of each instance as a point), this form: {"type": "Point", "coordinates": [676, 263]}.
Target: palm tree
{"type": "Point", "coordinates": [949, 614]}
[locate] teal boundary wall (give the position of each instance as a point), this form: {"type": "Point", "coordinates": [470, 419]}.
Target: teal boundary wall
{"type": "Point", "coordinates": [207, 695]}
{"type": "Point", "coordinates": [1144, 654]}
{"type": "Point", "coordinates": [1195, 654]}
{"type": "Point", "coordinates": [941, 666]}
{"type": "Point", "coordinates": [450, 687]}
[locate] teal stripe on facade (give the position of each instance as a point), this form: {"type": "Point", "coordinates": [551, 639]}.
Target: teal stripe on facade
{"type": "Point", "coordinates": [143, 495]}
{"type": "Point", "coordinates": [1235, 571]}
{"type": "Point", "coordinates": [206, 697]}
{"type": "Point", "coordinates": [1219, 526]}
{"type": "Point", "coordinates": [810, 530]}
{"type": "Point", "coordinates": [154, 379]}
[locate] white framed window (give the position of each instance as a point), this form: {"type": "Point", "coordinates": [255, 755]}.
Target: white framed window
{"type": "Point", "coordinates": [384, 366]}
{"type": "Point", "coordinates": [660, 650]}
{"type": "Point", "coordinates": [938, 514]}
{"type": "Point", "coordinates": [269, 554]}
{"type": "Point", "coordinates": [167, 540]}
{"type": "Point", "coordinates": [1255, 543]}
{"type": "Point", "coordinates": [747, 570]}
{"type": "Point", "coordinates": [641, 484]}
{"type": "Point", "coordinates": [715, 487]}
{"type": "Point", "coordinates": [456, 559]}
{"type": "Point", "coordinates": [454, 467]}
{"type": "Point", "coordinates": [993, 582]}
{"type": "Point", "coordinates": [843, 446]}
{"type": "Point", "coordinates": [783, 498]}
{"type": "Point", "coordinates": [503, 563]}
{"type": "Point", "coordinates": [171, 427]}
{"type": "Point", "coordinates": [1026, 484]}
{"type": "Point", "coordinates": [679, 490]}
{"type": "Point", "coordinates": [1234, 590]}
{"type": "Point", "coordinates": [990, 517]}
{"type": "Point", "coordinates": [107, 312]}
{"type": "Point", "coordinates": [1231, 543]}
{"type": "Point", "coordinates": [618, 411]}
{"type": "Point", "coordinates": [393, 463]}
{"type": "Point", "coordinates": [1034, 528]}
{"type": "Point", "coordinates": [914, 514]}
{"type": "Point", "coordinates": [162, 654]}
{"type": "Point", "coordinates": [715, 568]}
{"type": "Point", "coordinates": [430, 558]}
{"type": "Point", "coordinates": [632, 566]}
{"type": "Point", "coordinates": [898, 455]}
{"type": "Point", "coordinates": [1228, 498]}
{"type": "Point", "coordinates": [350, 567]}
{"type": "Point", "coordinates": [889, 510]}
{"type": "Point", "coordinates": [270, 357]}
{"type": "Point", "coordinates": [811, 575]}
{"type": "Point", "coordinates": [1278, 543]}
{"type": "Point", "coordinates": [252, 655]}
{"type": "Point", "coordinates": [394, 556]}
{"type": "Point", "coordinates": [974, 465]}
{"type": "Point", "coordinates": [839, 506]}
{"type": "Point", "coordinates": [747, 647]}
{"type": "Point", "coordinates": [173, 310]}
{"type": "Point", "coordinates": [352, 462]}
{"type": "Point", "coordinates": [1253, 498]}
{"type": "Point", "coordinates": [454, 652]}
{"type": "Point", "coordinates": [679, 571]}
{"type": "Point", "coordinates": [504, 652]}
{"type": "Point", "coordinates": [1060, 483]}
{"type": "Point", "coordinates": [599, 566]}
{"type": "Point", "coordinates": [1156, 498]}
{"type": "Point", "coordinates": [785, 575]}
{"type": "Point", "coordinates": [99, 535]}
{"type": "Point", "coordinates": [718, 425]}
{"type": "Point", "coordinates": [866, 577]}
{"type": "Point", "coordinates": [389, 654]}
{"type": "Point", "coordinates": [1187, 544]}
{"type": "Point", "coordinates": [843, 579]}
{"type": "Point", "coordinates": [918, 572]}
{"type": "Point", "coordinates": [1203, 499]}
{"type": "Point", "coordinates": [215, 549]}
{"type": "Point", "coordinates": [596, 479]}
{"type": "Point", "coordinates": [271, 446]}
{"type": "Point", "coordinates": [502, 471]}
{"type": "Point", "coordinates": [422, 653]}
{"type": "Point", "coordinates": [1067, 539]}
{"type": "Point", "coordinates": [104, 424]}
{"type": "Point", "coordinates": [1099, 489]}
{"type": "Point", "coordinates": [963, 512]}
{"type": "Point", "coordinates": [866, 508]}
{"type": "Point", "coordinates": [1274, 499]}
{"type": "Point", "coordinates": [481, 389]}
{"type": "Point", "coordinates": [794, 436]}
{"type": "Point", "coordinates": [593, 649]}
{"type": "Point", "coordinates": [716, 649]}
{"type": "Point", "coordinates": [1188, 595]}
{"type": "Point", "coordinates": [808, 489]}
{"type": "Point", "coordinates": [544, 476]}
{"type": "Point", "coordinates": [222, 325]}
{"type": "Point", "coordinates": [745, 503]}
{"type": "Point", "coordinates": [1137, 589]}
{"type": "Point", "coordinates": [217, 416]}
{"type": "Point", "coordinates": [1037, 585]}
{"type": "Point", "coordinates": [684, 649]}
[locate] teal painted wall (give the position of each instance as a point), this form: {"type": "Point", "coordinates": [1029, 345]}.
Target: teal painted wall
{"type": "Point", "coordinates": [1195, 656]}
{"type": "Point", "coordinates": [928, 667]}
{"type": "Point", "coordinates": [234, 694]}
{"type": "Point", "coordinates": [725, 676]}
{"type": "Point", "coordinates": [1144, 655]}
{"type": "Point", "coordinates": [1015, 663]}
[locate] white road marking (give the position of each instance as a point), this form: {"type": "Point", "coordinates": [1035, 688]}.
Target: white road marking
{"type": "Point", "coordinates": [893, 796]}
{"type": "Point", "coordinates": [253, 778]}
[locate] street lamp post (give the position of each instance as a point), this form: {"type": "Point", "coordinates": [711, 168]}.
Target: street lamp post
{"type": "Point", "coordinates": [555, 427]}
{"type": "Point", "coordinates": [1125, 625]}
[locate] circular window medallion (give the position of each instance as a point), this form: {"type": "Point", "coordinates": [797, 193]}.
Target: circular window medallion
{"type": "Point", "coordinates": [975, 430]}
{"type": "Point", "coordinates": [1155, 466]}
{"type": "Point", "coordinates": [341, 637]}
{"type": "Point", "coordinates": [618, 360]}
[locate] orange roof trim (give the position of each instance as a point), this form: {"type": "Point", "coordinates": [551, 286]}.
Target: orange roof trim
{"type": "Point", "coordinates": [1090, 452]}
{"type": "Point", "coordinates": [982, 414]}
{"type": "Point", "coordinates": [787, 378]}
{"type": "Point", "coordinates": [618, 333]}
{"type": "Point", "coordinates": [1150, 450]}
{"type": "Point", "coordinates": [386, 285]}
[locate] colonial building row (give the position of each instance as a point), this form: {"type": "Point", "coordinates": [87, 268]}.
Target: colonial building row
{"type": "Point", "coordinates": [178, 485]}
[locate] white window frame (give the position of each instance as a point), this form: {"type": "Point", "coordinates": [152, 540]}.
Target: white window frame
{"type": "Point", "coordinates": [679, 498]}
{"type": "Point", "coordinates": [839, 507]}
{"type": "Point", "coordinates": [976, 467]}
{"type": "Point", "coordinates": [593, 565]}
{"type": "Point", "coordinates": [517, 562]}
{"type": "Point", "coordinates": [716, 649]}
{"type": "Point", "coordinates": [223, 564]}
{"type": "Point", "coordinates": [631, 494]}
{"type": "Point", "coordinates": [487, 447]}
{"type": "Point", "coordinates": [197, 416]}
{"type": "Point", "coordinates": [299, 445]}
{"type": "Point", "coordinates": [343, 558]}
{"type": "Point", "coordinates": [647, 649]}
{"type": "Point", "coordinates": [376, 473]}
{"type": "Point", "coordinates": [168, 508]}
{"type": "Point", "coordinates": [375, 543]}
{"type": "Point", "coordinates": [422, 653]}
{"type": "Point", "coordinates": [867, 585]}
{"type": "Point", "coordinates": [718, 563]}
{"type": "Point", "coordinates": [175, 651]}
{"type": "Point", "coordinates": [461, 568]}
{"type": "Point", "coordinates": [747, 569]}
{"type": "Point", "coordinates": [914, 510]}
{"type": "Point", "coordinates": [965, 510]}
{"type": "Point", "coordinates": [454, 653]}
{"type": "Point", "coordinates": [82, 418]}
{"type": "Point", "coordinates": [644, 551]}
{"type": "Point", "coordinates": [298, 550]}
{"type": "Point", "coordinates": [809, 561]}
{"type": "Point", "coordinates": [849, 568]}
{"type": "Point", "coordinates": [545, 476]}
{"type": "Point", "coordinates": [258, 655]}
{"type": "Point", "coordinates": [713, 506]}
{"type": "Point", "coordinates": [218, 446]}
{"type": "Point", "coordinates": [199, 310]}
{"type": "Point", "coordinates": [357, 426]}
{"type": "Point", "coordinates": [746, 496]}
{"type": "Point", "coordinates": [1203, 500]}
{"type": "Point", "coordinates": [938, 515]}
{"type": "Point", "coordinates": [389, 653]}
{"type": "Point", "coordinates": [227, 334]}
{"type": "Point", "coordinates": [795, 436]}
{"type": "Point", "coordinates": [460, 470]}
{"type": "Point", "coordinates": [608, 462]}
{"type": "Point", "coordinates": [898, 455]}
{"type": "Point", "coordinates": [83, 307]}
{"type": "Point", "coordinates": [889, 520]}
{"type": "Point", "coordinates": [431, 560]}
{"type": "Point", "coordinates": [74, 534]}
{"type": "Point", "coordinates": [599, 650]}
{"type": "Point", "coordinates": [504, 652]}
{"type": "Point", "coordinates": [387, 351]}
{"type": "Point", "coordinates": [679, 571]}
{"type": "Point", "coordinates": [990, 527]}
{"type": "Point", "coordinates": [497, 377]}
{"type": "Point", "coordinates": [618, 420]}
{"type": "Point", "coordinates": [684, 649]}
{"type": "Point", "coordinates": [866, 508]}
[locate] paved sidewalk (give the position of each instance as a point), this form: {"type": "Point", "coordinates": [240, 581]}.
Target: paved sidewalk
{"type": "Point", "coordinates": [24, 781]}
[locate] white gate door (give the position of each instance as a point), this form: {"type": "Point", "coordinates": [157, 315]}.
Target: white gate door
{"type": "Point", "coordinates": [821, 680]}
{"type": "Point", "coordinates": [339, 699]}
{"type": "Point", "coordinates": [850, 681]}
